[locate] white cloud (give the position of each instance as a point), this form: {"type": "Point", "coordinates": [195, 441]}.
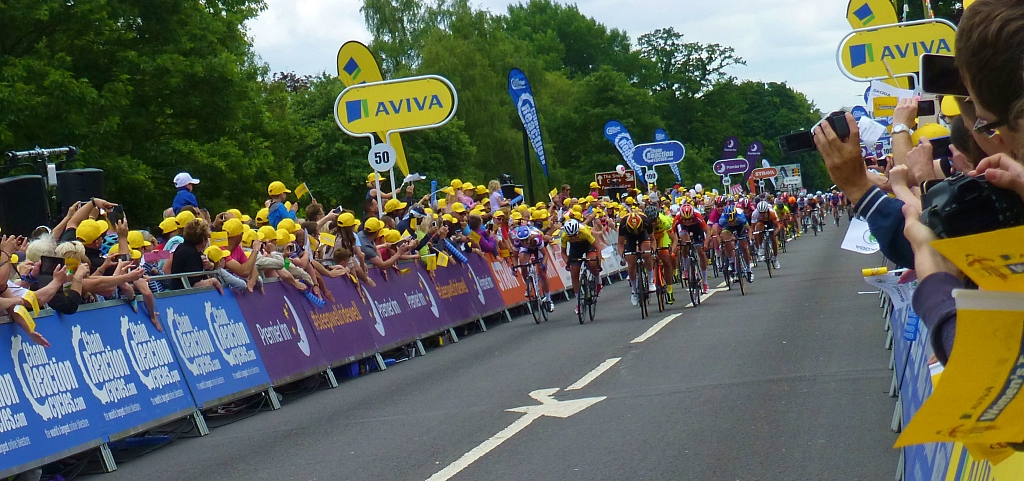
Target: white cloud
{"type": "Point", "coordinates": [782, 40]}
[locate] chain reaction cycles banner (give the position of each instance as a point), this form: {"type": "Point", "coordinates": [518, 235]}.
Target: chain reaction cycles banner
{"type": "Point", "coordinates": [526, 106]}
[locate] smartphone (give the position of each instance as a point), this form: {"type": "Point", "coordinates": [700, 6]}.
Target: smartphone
{"type": "Point", "coordinates": [117, 213]}
{"type": "Point", "coordinates": [47, 264]}
{"type": "Point", "coordinates": [925, 108]}
{"type": "Point", "coordinates": [940, 147]}
{"type": "Point", "coordinates": [882, 163]}
{"type": "Point", "coordinates": [939, 76]}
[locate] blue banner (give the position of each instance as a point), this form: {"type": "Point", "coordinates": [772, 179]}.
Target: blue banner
{"type": "Point", "coordinates": [215, 348]}
{"type": "Point", "coordinates": [128, 368]}
{"type": "Point", "coordinates": [660, 136]}
{"type": "Point", "coordinates": [45, 405]}
{"type": "Point", "coordinates": [659, 153]}
{"type": "Point", "coordinates": [617, 134]}
{"type": "Point", "coordinates": [522, 96]}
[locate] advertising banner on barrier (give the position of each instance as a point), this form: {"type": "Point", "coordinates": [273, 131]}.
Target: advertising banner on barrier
{"type": "Point", "coordinates": [488, 293]}
{"type": "Point", "coordinates": [129, 368]}
{"type": "Point", "coordinates": [508, 282]}
{"type": "Point", "coordinates": [922, 461]}
{"type": "Point", "coordinates": [343, 328]}
{"type": "Point", "coordinates": [561, 266]}
{"type": "Point", "coordinates": [282, 335]}
{"type": "Point", "coordinates": [45, 406]}
{"type": "Point", "coordinates": [393, 316]}
{"type": "Point", "coordinates": [216, 351]}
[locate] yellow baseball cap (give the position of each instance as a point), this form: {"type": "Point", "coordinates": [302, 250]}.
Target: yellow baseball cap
{"type": "Point", "coordinates": [481, 189]}
{"type": "Point", "coordinates": [89, 230]}
{"type": "Point", "coordinates": [262, 214]}
{"type": "Point", "coordinates": [392, 236]}
{"type": "Point", "coordinates": [346, 219]}
{"type": "Point", "coordinates": [458, 207]}
{"type": "Point", "coordinates": [577, 208]}
{"type": "Point", "coordinates": [373, 224]}
{"type": "Point", "coordinates": [267, 234]}
{"type": "Point", "coordinates": [136, 240]}
{"type": "Point", "coordinates": [289, 225]}
{"type": "Point", "coordinates": [169, 225]}
{"type": "Point", "coordinates": [539, 214]}
{"type": "Point", "coordinates": [277, 188]}
{"type": "Point", "coordinates": [456, 184]}
{"type": "Point", "coordinates": [517, 215]}
{"type": "Point", "coordinates": [393, 205]}
{"type": "Point", "coordinates": [448, 190]}
{"type": "Point", "coordinates": [566, 201]}
{"type": "Point", "coordinates": [468, 186]}
{"type": "Point", "coordinates": [233, 227]}
{"type": "Point", "coordinates": [249, 236]}
{"type": "Point", "coordinates": [521, 208]}
{"type": "Point", "coordinates": [539, 205]}
{"type": "Point", "coordinates": [184, 217]}
{"type": "Point", "coordinates": [441, 203]}
{"type": "Point", "coordinates": [449, 218]}
{"type": "Point", "coordinates": [928, 131]}
{"type": "Point", "coordinates": [499, 213]}
{"type": "Point", "coordinates": [594, 185]}
{"type": "Point", "coordinates": [373, 176]}
{"type": "Point", "coordinates": [949, 106]}
{"type": "Point", "coordinates": [215, 254]}
{"type": "Point", "coordinates": [239, 215]}
{"type": "Point", "coordinates": [114, 250]}
{"type": "Point", "coordinates": [284, 237]}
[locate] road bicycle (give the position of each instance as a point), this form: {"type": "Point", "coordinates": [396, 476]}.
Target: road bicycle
{"type": "Point", "coordinates": [835, 214]}
{"type": "Point", "coordinates": [690, 279]}
{"type": "Point", "coordinates": [642, 292]}
{"type": "Point", "coordinates": [586, 301]}
{"type": "Point", "coordinates": [768, 249]}
{"type": "Point", "coordinates": [733, 271]}
{"type": "Point", "coordinates": [538, 305]}
{"type": "Point", "coordinates": [713, 260]}
{"type": "Point", "coordinates": [660, 287]}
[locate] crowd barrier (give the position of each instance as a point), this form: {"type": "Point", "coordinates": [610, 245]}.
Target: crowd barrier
{"type": "Point", "coordinates": [109, 374]}
{"type": "Point", "coordinates": [914, 372]}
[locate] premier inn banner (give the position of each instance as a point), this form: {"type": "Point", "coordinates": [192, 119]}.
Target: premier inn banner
{"type": "Point", "coordinates": [617, 134]}
{"type": "Point", "coordinates": [356, 65]}
{"type": "Point", "coordinates": [526, 106]}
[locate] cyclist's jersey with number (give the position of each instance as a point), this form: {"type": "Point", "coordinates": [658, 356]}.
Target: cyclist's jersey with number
{"type": "Point", "coordinates": [812, 203]}
{"type": "Point", "coordinates": [584, 237]}
{"type": "Point", "coordinates": [781, 210]}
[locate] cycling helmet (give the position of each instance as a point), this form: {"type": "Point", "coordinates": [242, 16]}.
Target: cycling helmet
{"type": "Point", "coordinates": [818, 193]}
{"type": "Point", "coordinates": [687, 212]}
{"type": "Point", "coordinates": [763, 206]}
{"type": "Point", "coordinates": [522, 232]}
{"type": "Point", "coordinates": [651, 211]}
{"type": "Point", "coordinates": [730, 213]}
{"type": "Point", "coordinates": [571, 227]}
{"type": "Point", "coordinates": [673, 209]}
{"type": "Point", "coordinates": [634, 222]}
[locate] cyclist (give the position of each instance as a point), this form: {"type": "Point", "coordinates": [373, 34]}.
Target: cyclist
{"type": "Point", "coordinates": [764, 218]}
{"type": "Point", "coordinates": [836, 200]}
{"type": "Point", "coordinates": [577, 243]}
{"type": "Point", "coordinates": [734, 224]}
{"type": "Point", "coordinates": [813, 208]}
{"type": "Point", "coordinates": [529, 241]}
{"type": "Point", "coordinates": [664, 239]}
{"type": "Point", "coordinates": [784, 215]}
{"type": "Point", "coordinates": [690, 226]}
{"type": "Point", "coordinates": [635, 236]}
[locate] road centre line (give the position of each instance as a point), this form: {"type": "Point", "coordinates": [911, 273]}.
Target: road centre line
{"type": "Point", "coordinates": [664, 322]}
{"type": "Point", "coordinates": [590, 376]}
{"type": "Point", "coordinates": [484, 448]}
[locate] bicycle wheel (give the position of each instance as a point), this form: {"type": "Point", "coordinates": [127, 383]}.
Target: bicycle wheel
{"type": "Point", "coordinates": [532, 299]}
{"type": "Point", "coordinates": [740, 275]}
{"type": "Point", "coordinates": [714, 262]}
{"type": "Point", "coordinates": [768, 255]}
{"type": "Point", "coordinates": [694, 282]}
{"type": "Point", "coordinates": [583, 296]}
{"type": "Point", "coordinates": [641, 289]}
{"type": "Point", "coordinates": [592, 296]}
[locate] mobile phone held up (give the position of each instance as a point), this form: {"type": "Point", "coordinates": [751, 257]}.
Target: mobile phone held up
{"type": "Point", "coordinates": [803, 141]}
{"type": "Point", "coordinates": [925, 108]}
{"type": "Point", "coordinates": [939, 76]}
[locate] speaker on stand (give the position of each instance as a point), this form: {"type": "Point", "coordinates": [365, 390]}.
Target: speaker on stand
{"type": "Point", "coordinates": [78, 185]}
{"type": "Point", "coordinates": [23, 204]}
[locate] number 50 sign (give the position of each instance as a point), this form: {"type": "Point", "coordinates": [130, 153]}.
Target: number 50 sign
{"type": "Point", "coordinates": [382, 157]}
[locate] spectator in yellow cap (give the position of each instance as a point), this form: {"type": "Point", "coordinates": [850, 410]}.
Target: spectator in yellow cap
{"type": "Point", "coordinates": [371, 186]}
{"type": "Point", "coordinates": [595, 190]}
{"type": "Point", "coordinates": [188, 256]}
{"type": "Point", "coordinates": [236, 261]}
{"type": "Point", "coordinates": [217, 258]}
{"type": "Point", "coordinates": [372, 229]}
{"type": "Point", "coordinates": [464, 195]}
{"type": "Point", "coordinates": [276, 209]}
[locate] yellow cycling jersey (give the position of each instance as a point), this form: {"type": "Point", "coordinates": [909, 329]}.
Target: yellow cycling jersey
{"type": "Point", "coordinates": [663, 224]}
{"type": "Point", "coordinates": [583, 236]}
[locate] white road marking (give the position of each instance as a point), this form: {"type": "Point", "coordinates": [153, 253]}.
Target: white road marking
{"type": "Point", "coordinates": [547, 407]}
{"type": "Point", "coordinates": [599, 370]}
{"type": "Point", "coordinates": [654, 329]}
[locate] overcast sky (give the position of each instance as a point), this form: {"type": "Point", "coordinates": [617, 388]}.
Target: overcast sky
{"type": "Point", "coordinates": [791, 41]}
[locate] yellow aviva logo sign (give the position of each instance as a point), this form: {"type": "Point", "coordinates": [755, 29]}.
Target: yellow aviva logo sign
{"type": "Point", "coordinates": [870, 13]}
{"type": "Point", "coordinates": [395, 105]}
{"type": "Point", "coordinates": [864, 54]}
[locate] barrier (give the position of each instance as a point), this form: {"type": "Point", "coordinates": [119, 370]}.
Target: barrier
{"type": "Point", "coordinates": [110, 374]}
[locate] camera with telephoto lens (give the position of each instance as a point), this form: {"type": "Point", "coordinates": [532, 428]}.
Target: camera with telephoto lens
{"type": "Point", "coordinates": [962, 205]}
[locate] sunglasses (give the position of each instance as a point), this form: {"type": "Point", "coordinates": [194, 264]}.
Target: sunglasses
{"type": "Point", "coordinates": [988, 129]}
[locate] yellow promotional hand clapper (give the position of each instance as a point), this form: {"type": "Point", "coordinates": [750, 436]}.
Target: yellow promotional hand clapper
{"type": "Point", "coordinates": [978, 400]}
{"type": "Point", "coordinates": [993, 260]}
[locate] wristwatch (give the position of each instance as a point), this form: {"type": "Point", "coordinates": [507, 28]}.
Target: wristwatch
{"type": "Point", "coordinates": [899, 128]}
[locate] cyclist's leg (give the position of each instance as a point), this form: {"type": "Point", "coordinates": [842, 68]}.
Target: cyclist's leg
{"type": "Point", "coordinates": [727, 244]}
{"type": "Point", "coordinates": [574, 273]}
{"type": "Point", "coordinates": [684, 250]}
{"type": "Point", "coordinates": [524, 259]}
{"type": "Point", "coordinates": [645, 247]}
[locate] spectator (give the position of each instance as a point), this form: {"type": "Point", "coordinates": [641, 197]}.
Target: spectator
{"type": "Point", "coordinates": [371, 187]}
{"type": "Point", "coordinates": [236, 261]}
{"type": "Point", "coordinates": [184, 182]}
{"type": "Point", "coordinates": [367, 240]}
{"type": "Point", "coordinates": [464, 195]}
{"type": "Point", "coordinates": [497, 201]}
{"type": "Point", "coordinates": [276, 210]}
{"type": "Point", "coordinates": [188, 256]}
{"type": "Point", "coordinates": [217, 257]}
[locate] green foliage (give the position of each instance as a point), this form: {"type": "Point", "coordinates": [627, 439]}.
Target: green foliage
{"type": "Point", "coordinates": [147, 90]}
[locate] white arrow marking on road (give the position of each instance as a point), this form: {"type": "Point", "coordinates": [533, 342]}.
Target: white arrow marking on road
{"type": "Point", "coordinates": [547, 407]}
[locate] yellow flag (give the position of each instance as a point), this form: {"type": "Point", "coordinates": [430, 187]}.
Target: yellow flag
{"type": "Point", "coordinates": [431, 261]}
{"type": "Point", "coordinates": [301, 190]}
{"type": "Point", "coordinates": [553, 193]}
{"type": "Point", "coordinates": [993, 260]}
{"type": "Point", "coordinates": [327, 239]}
{"type": "Point", "coordinates": [30, 296]}
{"type": "Point", "coordinates": [21, 311]}
{"type": "Point", "coordinates": [442, 259]}
{"type": "Point", "coordinates": [977, 400]}
{"type": "Point", "coordinates": [219, 239]}
{"type": "Point", "coordinates": [404, 271]}
{"type": "Point", "coordinates": [474, 237]}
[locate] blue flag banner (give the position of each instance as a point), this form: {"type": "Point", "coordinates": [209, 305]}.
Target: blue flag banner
{"type": "Point", "coordinates": [660, 136]}
{"type": "Point", "coordinates": [522, 96]}
{"type": "Point", "coordinates": [617, 134]}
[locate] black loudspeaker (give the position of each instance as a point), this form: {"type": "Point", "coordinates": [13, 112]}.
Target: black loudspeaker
{"type": "Point", "coordinates": [78, 184]}
{"type": "Point", "coordinates": [23, 204]}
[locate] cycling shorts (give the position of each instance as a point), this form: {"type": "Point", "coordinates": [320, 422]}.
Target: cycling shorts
{"type": "Point", "coordinates": [577, 251]}
{"type": "Point", "coordinates": [537, 253]}
{"type": "Point", "coordinates": [740, 231]}
{"type": "Point", "coordinates": [697, 235]}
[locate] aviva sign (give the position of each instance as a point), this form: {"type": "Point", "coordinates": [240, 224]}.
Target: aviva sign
{"type": "Point", "coordinates": [864, 54]}
{"type": "Point", "coordinates": [395, 105]}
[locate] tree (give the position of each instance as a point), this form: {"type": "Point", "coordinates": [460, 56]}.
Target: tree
{"type": "Point", "coordinates": [685, 69]}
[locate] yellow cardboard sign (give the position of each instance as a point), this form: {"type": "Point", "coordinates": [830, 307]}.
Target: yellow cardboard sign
{"type": "Point", "coordinates": [993, 260]}
{"type": "Point", "coordinates": [219, 239]}
{"type": "Point", "coordinates": [408, 103]}
{"type": "Point", "coordinates": [864, 54]}
{"type": "Point", "coordinates": [30, 324]}
{"type": "Point", "coordinates": [327, 239]}
{"type": "Point", "coordinates": [884, 106]}
{"type": "Point", "coordinates": [977, 400]}
{"type": "Point", "coordinates": [356, 65]}
{"type": "Point", "coordinates": [870, 13]}
{"type": "Point", "coordinates": [474, 237]}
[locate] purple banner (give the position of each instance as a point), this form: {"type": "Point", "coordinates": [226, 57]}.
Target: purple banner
{"type": "Point", "coordinates": [343, 328]}
{"type": "Point", "coordinates": [754, 151]}
{"type": "Point", "coordinates": [490, 299]}
{"type": "Point", "coordinates": [731, 148]}
{"type": "Point", "coordinates": [734, 166]}
{"type": "Point", "coordinates": [395, 306]}
{"type": "Point", "coordinates": [282, 334]}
